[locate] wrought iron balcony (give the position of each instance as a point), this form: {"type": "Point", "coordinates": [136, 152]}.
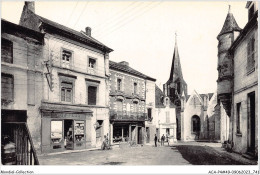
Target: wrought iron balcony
{"type": "Point", "coordinates": [127, 116]}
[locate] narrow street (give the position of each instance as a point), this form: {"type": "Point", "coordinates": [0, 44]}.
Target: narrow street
{"type": "Point", "coordinates": [179, 154]}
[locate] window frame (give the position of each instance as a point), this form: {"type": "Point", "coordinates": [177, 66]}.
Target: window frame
{"type": "Point", "coordinates": [95, 65]}
{"type": "Point", "coordinates": [71, 60]}
{"type": "Point", "coordinates": [135, 85]}
{"type": "Point", "coordinates": [12, 47]}
{"type": "Point", "coordinates": [238, 118]}
{"type": "Point", "coordinates": [67, 79]}
{"type": "Point", "coordinates": [119, 86]}
{"type": "Point", "coordinates": [94, 84]}
{"type": "Point", "coordinates": [251, 55]}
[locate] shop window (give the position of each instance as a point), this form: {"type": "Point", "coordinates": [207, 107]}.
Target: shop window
{"type": "Point", "coordinates": [56, 134]}
{"type": "Point", "coordinates": [92, 95]}
{"type": "Point", "coordinates": [79, 128]}
{"type": "Point", "coordinates": [7, 87]}
{"type": "Point", "coordinates": [6, 51]}
{"type": "Point", "coordinates": [195, 124]}
{"type": "Point", "coordinates": [238, 117]}
{"type": "Point", "coordinates": [66, 91]}
{"type": "Point", "coordinates": [66, 59]}
{"type": "Point", "coordinates": [251, 54]}
{"type": "Point", "coordinates": [92, 63]}
{"type": "Point", "coordinates": [119, 84]}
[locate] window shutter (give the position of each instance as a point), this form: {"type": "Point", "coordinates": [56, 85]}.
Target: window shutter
{"type": "Point", "coordinates": [92, 95]}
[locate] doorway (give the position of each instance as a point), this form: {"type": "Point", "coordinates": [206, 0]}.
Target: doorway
{"type": "Point", "coordinates": [251, 122]}
{"type": "Point", "coordinates": [147, 135]}
{"type": "Point", "coordinates": [68, 134]}
{"type": "Point", "coordinates": [139, 141]}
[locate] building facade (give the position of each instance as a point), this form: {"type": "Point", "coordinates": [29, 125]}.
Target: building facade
{"type": "Point", "coordinates": [241, 50]}
{"type": "Point", "coordinates": [74, 111]}
{"type": "Point", "coordinates": [21, 89]}
{"type": "Point", "coordinates": [165, 116]}
{"type": "Point", "coordinates": [128, 111]}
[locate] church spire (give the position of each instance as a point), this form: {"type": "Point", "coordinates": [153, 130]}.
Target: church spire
{"type": "Point", "coordinates": [176, 71]}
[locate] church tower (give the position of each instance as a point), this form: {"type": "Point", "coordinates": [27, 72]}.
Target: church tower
{"type": "Point", "coordinates": [175, 87]}
{"type": "Point", "coordinates": [225, 38]}
{"type": "Point", "coordinates": [176, 90]}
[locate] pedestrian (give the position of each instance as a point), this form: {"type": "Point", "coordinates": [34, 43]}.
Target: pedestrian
{"type": "Point", "coordinates": [167, 139]}
{"type": "Point", "coordinates": [155, 140]}
{"type": "Point", "coordinates": [162, 140]}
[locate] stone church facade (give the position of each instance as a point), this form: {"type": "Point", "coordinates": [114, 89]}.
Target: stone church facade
{"type": "Point", "coordinates": [195, 117]}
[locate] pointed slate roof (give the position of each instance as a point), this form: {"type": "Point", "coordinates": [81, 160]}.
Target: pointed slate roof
{"type": "Point", "coordinates": [176, 71]}
{"type": "Point", "coordinates": [230, 24]}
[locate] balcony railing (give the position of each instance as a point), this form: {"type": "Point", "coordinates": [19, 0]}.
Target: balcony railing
{"type": "Point", "coordinates": [123, 115]}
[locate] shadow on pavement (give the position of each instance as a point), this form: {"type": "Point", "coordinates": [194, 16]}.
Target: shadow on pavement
{"type": "Point", "coordinates": [204, 155]}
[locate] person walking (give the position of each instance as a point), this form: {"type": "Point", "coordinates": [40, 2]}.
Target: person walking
{"type": "Point", "coordinates": [162, 140]}
{"type": "Point", "coordinates": [155, 140]}
{"type": "Point", "coordinates": [167, 139]}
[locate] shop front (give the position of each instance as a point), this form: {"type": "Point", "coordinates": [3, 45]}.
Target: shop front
{"type": "Point", "coordinates": [66, 130]}
{"type": "Point", "coordinates": [128, 132]}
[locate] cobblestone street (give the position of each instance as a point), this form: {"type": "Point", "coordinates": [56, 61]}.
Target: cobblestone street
{"type": "Point", "coordinates": [180, 154]}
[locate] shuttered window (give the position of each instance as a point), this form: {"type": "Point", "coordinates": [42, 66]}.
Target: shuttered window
{"type": "Point", "coordinates": [251, 54]}
{"type": "Point", "coordinates": [6, 51]}
{"type": "Point", "coordinates": [66, 91]}
{"type": "Point", "coordinates": [92, 95]}
{"type": "Point", "coordinates": [7, 87]}
{"type": "Point", "coordinates": [167, 117]}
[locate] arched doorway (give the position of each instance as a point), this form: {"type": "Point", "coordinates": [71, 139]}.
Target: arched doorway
{"type": "Point", "coordinates": [195, 126]}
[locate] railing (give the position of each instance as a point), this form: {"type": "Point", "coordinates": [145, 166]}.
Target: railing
{"type": "Point", "coordinates": [123, 115]}
{"type": "Point", "coordinates": [25, 153]}
{"type": "Point", "coordinates": [33, 156]}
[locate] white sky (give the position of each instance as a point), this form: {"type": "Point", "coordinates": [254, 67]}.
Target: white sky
{"type": "Point", "coordinates": [143, 33]}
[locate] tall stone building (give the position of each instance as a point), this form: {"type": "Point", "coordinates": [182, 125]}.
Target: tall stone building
{"type": "Point", "coordinates": [74, 110]}
{"type": "Point", "coordinates": [21, 91]}
{"type": "Point", "coordinates": [129, 109]}
{"type": "Point", "coordinates": [238, 79]}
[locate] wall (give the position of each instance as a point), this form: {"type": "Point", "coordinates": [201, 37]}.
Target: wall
{"type": "Point", "coordinates": [241, 90]}
{"type": "Point", "coordinates": [79, 68]}
{"type": "Point", "coordinates": [27, 60]}
{"type": "Point", "coordinates": [127, 85]}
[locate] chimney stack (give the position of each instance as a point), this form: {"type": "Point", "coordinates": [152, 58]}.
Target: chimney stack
{"type": "Point", "coordinates": [30, 5]}
{"type": "Point", "coordinates": [88, 31]}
